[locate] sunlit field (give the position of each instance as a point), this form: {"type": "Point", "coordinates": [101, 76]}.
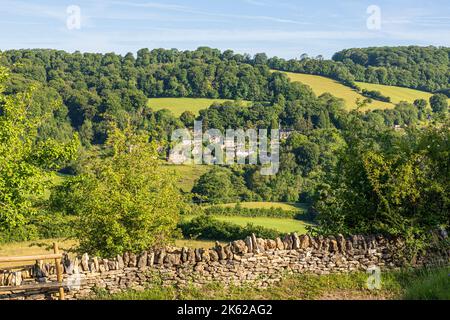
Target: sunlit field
{"type": "Point", "coordinates": [284, 225]}
{"type": "Point", "coordinates": [322, 85]}
{"type": "Point", "coordinates": [180, 105]}
{"type": "Point", "coordinates": [187, 174]}
{"type": "Point", "coordinates": [397, 94]}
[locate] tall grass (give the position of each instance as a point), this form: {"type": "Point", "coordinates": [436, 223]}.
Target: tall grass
{"type": "Point", "coordinates": [429, 284]}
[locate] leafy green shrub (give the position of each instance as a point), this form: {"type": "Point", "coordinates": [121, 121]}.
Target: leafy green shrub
{"type": "Point", "coordinates": [389, 183]}
{"type": "Point", "coordinates": [123, 202]}
{"type": "Point", "coordinates": [26, 162]}
{"type": "Point", "coordinates": [54, 225]}
{"type": "Point", "coordinates": [21, 233]}
{"type": "Point", "coordinates": [207, 228]}
{"type": "Point", "coordinates": [220, 185]}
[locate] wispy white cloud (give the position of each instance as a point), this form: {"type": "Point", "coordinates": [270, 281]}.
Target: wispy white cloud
{"type": "Point", "coordinates": [192, 11]}
{"type": "Point", "coordinates": [153, 5]}
{"type": "Point", "coordinates": [27, 9]}
{"type": "Point", "coordinates": [396, 21]}
{"type": "Point", "coordinates": [236, 35]}
{"type": "Point", "coordinates": [26, 13]}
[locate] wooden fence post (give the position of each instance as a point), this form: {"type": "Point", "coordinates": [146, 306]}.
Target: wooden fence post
{"type": "Point", "coordinates": [59, 273]}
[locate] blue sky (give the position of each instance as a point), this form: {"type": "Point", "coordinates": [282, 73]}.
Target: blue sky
{"type": "Point", "coordinates": [285, 28]}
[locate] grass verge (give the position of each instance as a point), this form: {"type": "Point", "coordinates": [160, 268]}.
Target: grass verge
{"type": "Point", "coordinates": [406, 284]}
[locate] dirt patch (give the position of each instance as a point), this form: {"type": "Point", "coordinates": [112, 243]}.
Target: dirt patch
{"type": "Point", "coordinates": [356, 295]}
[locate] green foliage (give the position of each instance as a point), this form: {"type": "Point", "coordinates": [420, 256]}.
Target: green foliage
{"type": "Point", "coordinates": [53, 225]}
{"type": "Point", "coordinates": [100, 88]}
{"type": "Point", "coordinates": [439, 103]}
{"type": "Point", "coordinates": [188, 119]}
{"type": "Point", "coordinates": [220, 185]}
{"type": "Point", "coordinates": [357, 166]}
{"type": "Point", "coordinates": [421, 105]}
{"type": "Point", "coordinates": [207, 228]}
{"type": "Point", "coordinates": [429, 284]}
{"type": "Point", "coordinates": [124, 201]}
{"type": "Point", "coordinates": [389, 183]}
{"type": "Point", "coordinates": [25, 162]}
{"type": "Point", "coordinates": [424, 68]}
{"type": "Point", "coordinates": [307, 156]}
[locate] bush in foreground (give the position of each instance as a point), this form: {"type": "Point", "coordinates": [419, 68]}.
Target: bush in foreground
{"type": "Point", "coordinates": [124, 202]}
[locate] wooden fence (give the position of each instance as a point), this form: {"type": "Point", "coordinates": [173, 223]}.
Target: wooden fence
{"type": "Point", "coordinates": [59, 272]}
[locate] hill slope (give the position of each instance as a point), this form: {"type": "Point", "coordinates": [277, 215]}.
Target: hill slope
{"type": "Point", "coordinates": [321, 85]}
{"type": "Point", "coordinates": [397, 94]}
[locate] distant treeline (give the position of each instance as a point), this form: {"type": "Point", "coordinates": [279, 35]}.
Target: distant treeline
{"type": "Point", "coordinates": [96, 88]}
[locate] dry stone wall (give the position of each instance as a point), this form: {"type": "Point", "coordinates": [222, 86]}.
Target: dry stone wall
{"type": "Point", "coordinates": [253, 260]}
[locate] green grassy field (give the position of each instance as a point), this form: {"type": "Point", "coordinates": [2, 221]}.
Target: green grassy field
{"type": "Point", "coordinates": [179, 105]}
{"type": "Point", "coordinates": [188, 174]}
{"type": "Point", "coordinates": [284, 225]}
{"type": "Point", "coordinates": [269, 205]}
{"type": "Point", "coordinates": [321, 85]}
{"type": "Point", "coordinates": [397, 94]}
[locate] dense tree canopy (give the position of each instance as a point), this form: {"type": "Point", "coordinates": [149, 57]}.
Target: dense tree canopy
{"type": "Point", "coordinates": [439, 103]}
{"type": "Point", "coordinates": [425, 68]}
